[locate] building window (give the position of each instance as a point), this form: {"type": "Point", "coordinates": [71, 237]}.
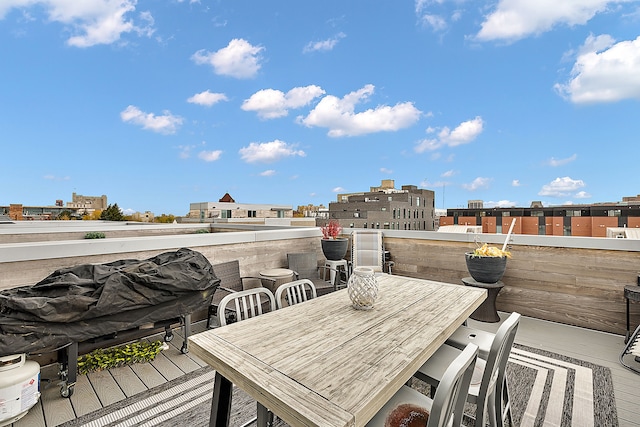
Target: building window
{"type": "Point", "coordinates": [356, 214]}
{"type": "Point", "coordinates": [251, 214]}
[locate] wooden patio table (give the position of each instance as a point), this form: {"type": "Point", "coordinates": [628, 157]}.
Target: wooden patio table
{"type": "Point", "coordinates": [324, 363]}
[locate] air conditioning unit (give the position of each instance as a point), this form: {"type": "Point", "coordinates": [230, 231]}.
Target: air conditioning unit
{"type": "Point", "coordinates": [19, 387]}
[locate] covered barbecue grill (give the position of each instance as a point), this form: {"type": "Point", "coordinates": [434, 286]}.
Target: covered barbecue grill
{"type": "Point", "coordinates": [85, 302]}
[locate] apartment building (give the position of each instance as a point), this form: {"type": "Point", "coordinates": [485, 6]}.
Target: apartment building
{"type": "Point", "coordinates": [227, 208]}
{"type": "Point", "coordinates": [568, 220]}
{"type": "Point", "coordinates": [385, 207]}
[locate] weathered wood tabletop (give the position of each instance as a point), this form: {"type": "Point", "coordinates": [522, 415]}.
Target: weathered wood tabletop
{"type": "Point", "coordinates": [324, 363]}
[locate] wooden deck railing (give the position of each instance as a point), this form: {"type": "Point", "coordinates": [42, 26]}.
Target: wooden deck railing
{"type": "Point", "coordinates": [570, 280]}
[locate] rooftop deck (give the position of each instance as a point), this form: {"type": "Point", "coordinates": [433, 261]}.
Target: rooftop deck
{"type": "Point", "coordinates": [554, 281]}
{"type": "Point", "coordinates": [97, 390]}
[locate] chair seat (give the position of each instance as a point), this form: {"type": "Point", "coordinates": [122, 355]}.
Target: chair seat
{"type": "Point", "coordinates": [406, 399]}
{"type": "Point", "coordinates": [465, 335]}
{"type": "Point", "coordinates": [434, 368]}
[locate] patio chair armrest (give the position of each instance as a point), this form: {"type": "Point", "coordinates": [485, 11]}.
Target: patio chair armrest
{"type": "Point", "coordinates": [258, 279]}
{"type": "Point", "coordinates": [296, 275]}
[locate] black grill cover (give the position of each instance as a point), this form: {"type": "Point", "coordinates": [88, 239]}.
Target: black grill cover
{"type": "Point", "coordinates": [88, 301]}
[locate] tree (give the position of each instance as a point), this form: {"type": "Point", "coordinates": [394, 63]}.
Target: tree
{"type": "Point", "coordinates": [112, 213]}
{"type": "Point", "coordinates": [164, 218]}
{"type": "Point", "coordinates": [64, 215]}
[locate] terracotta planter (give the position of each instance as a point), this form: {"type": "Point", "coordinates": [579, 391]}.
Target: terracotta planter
{"type": "Point", "coordinates": [486, 269]}
{"type": "Point", "coordinates": [334, 249]}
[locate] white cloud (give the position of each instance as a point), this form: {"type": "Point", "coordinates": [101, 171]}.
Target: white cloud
{"type": "Point", "coordinates": [449, 173]}
{"type": "Point", "coordinates": [561, 162]}
{"type": "Point", "coordinates": [268, 172]}
{"type": "Point", "coordinates": [604, 71]}
{"type": "Point", "coordinates": [339, 117]}
{"type": "Point", "coordinates": [271, 103]}
{"type": "Point", "coordinates": [477, 184]}
{"type": "Point", "coordinates": [464, 133]}
{"type": "Point", "coordinates": [185, 151]}
{"type": "Point", "coordinates": [89, 22]}
{"type": "Point", "coordinates": [562, 187]}
{"type": "Point", "coordinates": [56, 178]}
{"type": "Point", "coordinates": [385, 170]}
{"type": "Point", "coordinates": [500, 204]}
{"type": "Point", "coordinates": [437, 184]}
{"type": "Point", "coordinates": [515, 183]}
{"type": "Point", "coordinates": [437, 22]}
{"type": "Point", "coordinates": [323, 45]}
{"type": "Point", "coordinates": [239, 59]}
{"type": "Point", "coordinates": [166, 124]}
{"type": "Point", "coordinates": [428, 17]}
{"type": "Point", "coordinates": [582, 195]}
{"type": "Point", "coordinates": [210, 156]}
{"type": "Point", "coordinates": [268, 152]}
{"type": "Point", "coordinates": [515, 19]}
{"type": "Point", "coordinates": [427, 145]}
{"type": "Point", "coordinates": [338, 190]}
{"type": "Point", "coordinates": [207, 98]}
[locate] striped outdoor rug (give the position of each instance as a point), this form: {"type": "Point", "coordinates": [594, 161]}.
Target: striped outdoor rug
{"type": "Point", "coordinates": [546, 389]}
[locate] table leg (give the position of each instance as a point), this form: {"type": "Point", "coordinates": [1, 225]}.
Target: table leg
{"type": "Point", "coordinates": [221, 403]}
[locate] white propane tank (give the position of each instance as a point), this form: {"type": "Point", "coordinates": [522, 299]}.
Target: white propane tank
{"type": "Point", "coordinates": [19, 387]}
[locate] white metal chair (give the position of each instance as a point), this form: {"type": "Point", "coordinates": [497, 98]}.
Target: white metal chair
{"type": "Point", "coordinates": [295, 292]}
{"type": "Point", "coordinates": [486, 388]}
{"type": "Point", "coordinates": [248, 304]}
{"type": "Point", "coordinates": [483, 339]}
{"type": "Point", "coordinates": [409, 406]}
{"type": "Point", "coordinates": [632, 350]}
{"type": "Point", "coordinates": [367, 250]}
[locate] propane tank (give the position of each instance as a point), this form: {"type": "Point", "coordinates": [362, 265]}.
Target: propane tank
{"type": "Point", "coordinates": [19, 387]}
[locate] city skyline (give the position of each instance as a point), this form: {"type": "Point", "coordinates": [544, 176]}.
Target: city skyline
{"type": "Point", "coordinates": [159, 105]}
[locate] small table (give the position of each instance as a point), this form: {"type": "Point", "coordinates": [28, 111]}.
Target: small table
{"type": "Point", "coordinates": [276, 277]}
{"type": "Point", "coordinates": [631, 293]}
{"type": "Point", "coordinates": [333, 265]}
{"type": "Point", "coordinates": [487, 311]}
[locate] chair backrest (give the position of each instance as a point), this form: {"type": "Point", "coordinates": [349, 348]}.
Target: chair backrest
{"type": "Point", "coordinates": [246, 304]}
{"type": "Point", "coordinates": [454, 386]}
{"type": "Point", "coordinates": [229, 275]}
{"type": "Point", "coordinates": [499, 351]}
{"type": "Point", "coordinates": [295, 292]}
{"type": "Point", "coordinates": [367, 249]}
{"type": "Point", "coordinates": [303, 263]}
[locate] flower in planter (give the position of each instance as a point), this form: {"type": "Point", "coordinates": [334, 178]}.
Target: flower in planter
{"type": "Point", "coordinates": [331, 230]}
{"type": "Point", "coordinates": [491, 251]}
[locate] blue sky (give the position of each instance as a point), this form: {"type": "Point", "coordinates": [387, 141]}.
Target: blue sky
{"type": "Point", "coordinates": [158, 104]}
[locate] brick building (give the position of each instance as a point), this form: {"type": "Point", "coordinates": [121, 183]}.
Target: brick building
{"type": "Point", "coordinates": [568, 220]}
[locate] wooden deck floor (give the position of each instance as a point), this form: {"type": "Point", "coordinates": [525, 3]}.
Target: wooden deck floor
{"type": "Point", "coordinates": [97, 390]}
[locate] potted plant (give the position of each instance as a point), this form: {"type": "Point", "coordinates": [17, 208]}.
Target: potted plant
{"type": "Point", "coordinates": [333, 246]}
{"type": "Point", "coordinates": [487, 264]}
